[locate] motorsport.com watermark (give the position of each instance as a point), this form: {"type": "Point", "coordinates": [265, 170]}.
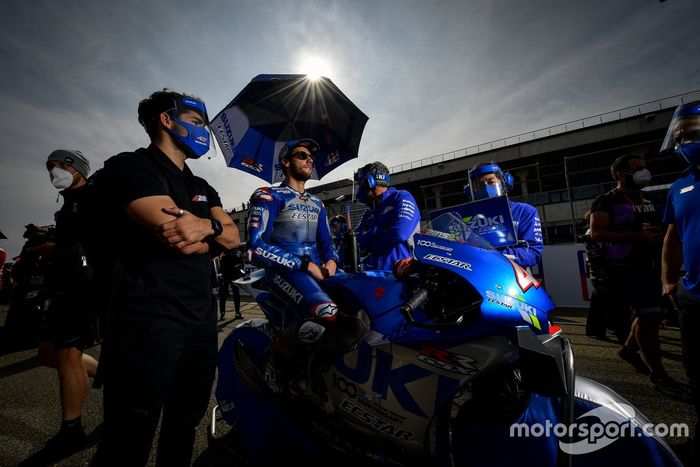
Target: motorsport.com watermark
{"type": "Point", "coordinates": [588, 437]}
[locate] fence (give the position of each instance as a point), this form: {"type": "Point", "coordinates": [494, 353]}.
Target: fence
{"type": "Point", "coordinates": [587, 122]}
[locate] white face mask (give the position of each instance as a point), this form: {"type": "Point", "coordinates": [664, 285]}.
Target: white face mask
{"type": "Point", "coordinates": [60, 178]}
{"type": "Point", "coordinates": [642, 178]}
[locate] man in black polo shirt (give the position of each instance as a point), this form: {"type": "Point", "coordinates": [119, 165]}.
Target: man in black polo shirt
{"type": "Point", "coordinates": [160, 348]}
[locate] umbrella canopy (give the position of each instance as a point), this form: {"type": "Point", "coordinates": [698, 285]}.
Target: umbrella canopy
{"type": "Point", "coordinates": [274, 109]}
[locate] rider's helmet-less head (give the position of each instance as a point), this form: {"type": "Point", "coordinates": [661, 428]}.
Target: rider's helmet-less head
{"type": "Point", "coordinates": [487, 180]}
{"type": "Point", "coordinates": [370, 177]}
{"type": "Point", "coordinates": [196, 142]}
{"type": "Point", "coordinates": [288, 149]}
{"type": "Point", "coordinates": [683, 135]}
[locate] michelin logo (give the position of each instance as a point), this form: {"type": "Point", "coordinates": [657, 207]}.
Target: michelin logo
{"type": "Point", "coordinates": [449, 261]}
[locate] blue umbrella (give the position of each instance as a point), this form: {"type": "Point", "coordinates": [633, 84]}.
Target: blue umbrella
{"type": "Point", "coordinates": [274, 109]}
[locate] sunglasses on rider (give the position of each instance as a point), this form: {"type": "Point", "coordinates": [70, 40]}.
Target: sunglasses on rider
{"type": "Point", "coordinates": [302, 156]}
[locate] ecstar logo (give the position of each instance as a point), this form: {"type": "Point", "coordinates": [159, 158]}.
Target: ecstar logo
{"type": "Point", "coordinates": [449, 261]}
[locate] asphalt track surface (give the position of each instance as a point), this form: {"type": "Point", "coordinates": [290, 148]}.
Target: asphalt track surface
{"type": "Point", "coordinates": [30, 413]}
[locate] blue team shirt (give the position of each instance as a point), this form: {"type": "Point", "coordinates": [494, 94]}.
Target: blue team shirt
{"type": "Point", "coordinates": [682, 210]}
{"type": "Point", "coordinates": [528, 228]}
{"type": "Point", "coordinates": [387, 229]}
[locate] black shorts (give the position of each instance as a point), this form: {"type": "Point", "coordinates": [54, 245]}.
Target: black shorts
{"type": "Point", "coordinates": [69, 323]}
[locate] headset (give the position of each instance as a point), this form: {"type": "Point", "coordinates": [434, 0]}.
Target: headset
{"type": "Point", "coordinates": [493, 168]}
{"type": "Point", "coordinates": [372, 179]}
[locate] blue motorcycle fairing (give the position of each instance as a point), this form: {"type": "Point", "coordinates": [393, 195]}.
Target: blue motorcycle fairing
{"type": "Point", "coordinates": [511, 295]}
{"type": "Point", "coordinates": [480, 441]}
{"type": "Point", "coordinates": [263, 426]}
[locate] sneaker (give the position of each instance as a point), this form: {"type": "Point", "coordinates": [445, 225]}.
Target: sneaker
{"type": "Point", "coordinates": [238, 316]}
{"type": "Point", "coordinates": [66, 443]}
{"type": "Point", "coordinates": [632, 357]}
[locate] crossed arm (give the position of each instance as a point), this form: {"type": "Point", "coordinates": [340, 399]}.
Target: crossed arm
{"type": "Point", "coordinates": [184, 233]}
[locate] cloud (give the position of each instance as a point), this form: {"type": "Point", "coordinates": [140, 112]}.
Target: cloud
{"type": "Point", "coordinates": [432, 76]}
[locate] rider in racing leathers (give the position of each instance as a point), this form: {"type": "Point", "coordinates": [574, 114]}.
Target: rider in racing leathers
{"type": "Point", "coordinates": [487, 180]}
{"type": "Point", "coordinates": [289, 236]}
{"type": "Point", "coordinates": [390, 220]}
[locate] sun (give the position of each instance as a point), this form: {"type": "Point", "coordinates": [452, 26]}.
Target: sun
{"type": "Point", "coordinates": [315, 67]}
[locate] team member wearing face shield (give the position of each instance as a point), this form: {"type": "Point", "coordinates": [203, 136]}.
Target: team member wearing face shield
{"type": "Point", "coordinates": [390, 220]}
{"type": "Point", "coordinates": [627, 222]}
{"type": "Point", "coordinates": [163, 224]}
{"type": "Point", "coordinates": [487, 180]}
{"type": "Point", "coordinates": [69, 328]}
{"type": "Point", "coordinates": [681, 250]}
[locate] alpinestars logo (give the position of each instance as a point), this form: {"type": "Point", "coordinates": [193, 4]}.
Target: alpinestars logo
{"type": "Point", "coordinates": [449, 261]}
{"type": "Point", "coordinates": [273, 257]}
{"type": "Point", "coordinates": [261, 194]}
{"type": "Point", "coordinates": [325, 311]}
{"type": "Point", "coordinates": [310, 332]}
{"type": "Point", "coordinates": [287, 288]}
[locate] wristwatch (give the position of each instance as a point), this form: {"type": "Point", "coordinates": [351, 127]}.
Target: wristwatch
{"type": "Point", "coordinates": [217, 228]}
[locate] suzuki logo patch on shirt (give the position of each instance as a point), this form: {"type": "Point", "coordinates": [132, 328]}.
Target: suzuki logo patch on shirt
{"type": "Point", "coordinates": [199, 198]}
{"type": "Point", "coordinates": [687, 189]}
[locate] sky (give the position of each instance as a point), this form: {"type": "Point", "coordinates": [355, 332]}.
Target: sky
{"type": "Point", "coordinates": [432, 76]}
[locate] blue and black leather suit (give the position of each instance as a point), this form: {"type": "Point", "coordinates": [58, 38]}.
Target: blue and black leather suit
{"type": "Point", "coordinates": [286, 231]}
{"type": "Point", "coordinates": [386, 230]}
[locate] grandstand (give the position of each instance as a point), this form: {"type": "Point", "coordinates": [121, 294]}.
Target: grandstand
{"type": "Point", "coordinates": [559, 169]}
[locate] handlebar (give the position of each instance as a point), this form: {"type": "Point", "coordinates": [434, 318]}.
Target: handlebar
{"type": "Point", "coordinates": [419, 296]}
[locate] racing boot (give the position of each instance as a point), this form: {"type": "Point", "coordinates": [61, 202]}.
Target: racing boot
{"type": "Point", "coordinates": [279, 366]}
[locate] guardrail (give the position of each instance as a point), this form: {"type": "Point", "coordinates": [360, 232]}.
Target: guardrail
{"type": "Point", "coordinates": [587, 122]}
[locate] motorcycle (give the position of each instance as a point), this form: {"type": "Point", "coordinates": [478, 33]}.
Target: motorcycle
{"type": "Point", "coordinates": [460, 365]}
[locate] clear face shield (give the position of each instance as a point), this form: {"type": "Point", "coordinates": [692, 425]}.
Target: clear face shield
{"type": "Point", "coordinates": [484, 182]}
{"type": "Point", "coordinates": [683, 135]}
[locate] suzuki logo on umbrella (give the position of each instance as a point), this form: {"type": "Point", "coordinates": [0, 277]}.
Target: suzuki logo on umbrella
{"type": "Point", "coordinates": [225, 133]}
{"type": "Point", "coordinates": [274, 109]}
